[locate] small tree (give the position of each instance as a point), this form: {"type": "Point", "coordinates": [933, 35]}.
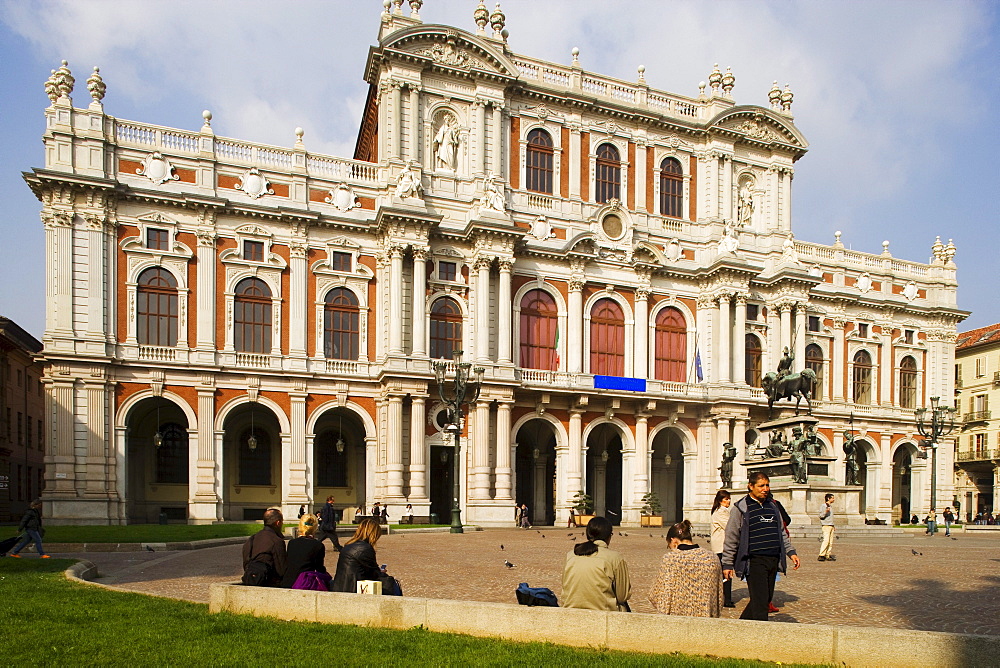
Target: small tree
{"type": "Point", "coordinates": [583, 504]}
{"type": "Point", "coordinates": [651, 504]}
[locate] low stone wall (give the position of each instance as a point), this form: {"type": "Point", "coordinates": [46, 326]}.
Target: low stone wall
{"type": "Point", "coordinates": [631, 632]}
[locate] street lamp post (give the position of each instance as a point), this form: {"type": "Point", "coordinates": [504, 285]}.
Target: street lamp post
{"type": "Point", "coordinates": [941, 423]}
{"type": "Point", "coordinates": [463, 392]}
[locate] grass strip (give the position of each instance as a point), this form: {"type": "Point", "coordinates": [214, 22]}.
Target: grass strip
{"type": "Point", "coordinates": [49, 620]}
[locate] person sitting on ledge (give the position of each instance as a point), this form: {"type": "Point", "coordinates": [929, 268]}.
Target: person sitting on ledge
{"type": "Point", "coordinates": [357, 558]}
{"type": "Point", "coordinates": [690, 579]}
{"type": "Point", "coordinates": [305, 553]}
{"type": "Point", "coordinates": [594, 576]}
{"type": "Point", "coordinates": [268, 546]}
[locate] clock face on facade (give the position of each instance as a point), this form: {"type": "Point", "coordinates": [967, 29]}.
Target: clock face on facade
{"type": "Point", "coordinates": [612, 226]}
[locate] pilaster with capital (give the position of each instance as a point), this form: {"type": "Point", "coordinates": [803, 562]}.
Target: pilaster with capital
{"type": "Point", "coordinates": [97, 262]}
{"type": "Point", "coordinates": [640, 471]}
{"type": "Point", "coordinates": [703, 318]}
{"type": "Point", "coordinates": [574, 467]}
{"type": "Point", "coordinates": [574, 334]}
{"type": "Point", "coordinates": [481, 452]}
{"type": "Point", "coordinates": [740, 341]}
{"type": "Point", "coordinates": [800, 337]}
{"type": "Point", "coordinates": [298, 295]}
{"type": "Point", "coordinates": [395, 299]}
{"type": "Point", "coordinates": [641, 336]}
{"type": "Point", "coordinates": [504, 471]}
{"type": "Point", "coordinates": [482, 329]}
{"type": "Point", "coordinates": [296, 491]}
{"type": "Point", "coordinates": [206, 271]}
{"type": "Point", "coordinates": [496, 131]}
{"type": "Point", "coordinates": [418, 450]}
{"type": "Point", "coordinates": [504, 312]}
{"type": "Point", "coordinates": [479, 132]}
{"type": "Point", "coordinates": [723, 336]}
{"type": "Point", "coordinates": [413, 112]}
{"type": "Point", "coordinates": [394, 447]}
{"type": "Point", "coordinates": [419, 309]}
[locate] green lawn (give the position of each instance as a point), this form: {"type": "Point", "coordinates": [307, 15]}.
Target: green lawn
{"type": "Point", "coordinates": [48, 620]}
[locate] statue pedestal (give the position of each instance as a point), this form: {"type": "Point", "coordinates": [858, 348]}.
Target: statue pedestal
{"type": "Point", "coordinates": [804, 501]}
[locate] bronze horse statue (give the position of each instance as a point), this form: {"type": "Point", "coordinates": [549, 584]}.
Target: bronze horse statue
{"type": "Point", "coordinates": [797, 385]}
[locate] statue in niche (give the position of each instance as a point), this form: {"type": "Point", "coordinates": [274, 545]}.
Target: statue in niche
{"type": "Point", "coordinates": [799, 459]}
{"type": "Point", "coordinates": [851, 459]}
{"type": "Point", "coordinates": [446, 144]}
{"type": "Point", "coordinates": [493, 195]}
{"type": "Point", "coordinates": [408, 183]}
{"type": "Point", "coordinates": [745, 205]}
{"type": "Point", "coordinates": [726, 470]}
{"type": "Point", "coordinates": [729, 242]}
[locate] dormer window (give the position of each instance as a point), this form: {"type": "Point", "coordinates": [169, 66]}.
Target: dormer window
{"type": "Point", "coordinates": [340, 261]}
{"type": "Point", "coordinates": [157, 239]}
{"type": "Point", "coordinates": [863, 331]}
{"type": "Point", "coordinates": [447, 271]}
{"type": "Point", "coordinates": [253, 251]}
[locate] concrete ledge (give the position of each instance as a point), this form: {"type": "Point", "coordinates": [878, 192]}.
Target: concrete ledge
{"type": "Point", "coordinates": [82, 570]}
{"type": "Point", "coordinates": [635, 632]}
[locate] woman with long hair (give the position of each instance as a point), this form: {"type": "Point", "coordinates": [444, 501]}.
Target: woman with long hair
{"type": "Point", "coordinates": [305, 554]}
{"type": "Point", "coordinates": [720, 518]}
{"type": "Point", "coordinates": [357, 558]}
{"type": "Point", "coordinates": [690, 578]}
{"type": "Point", "coordinates": [594, 576]}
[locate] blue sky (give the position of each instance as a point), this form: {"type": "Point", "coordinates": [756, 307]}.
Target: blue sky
{"type": "Point", "coordinates": [899, 100]}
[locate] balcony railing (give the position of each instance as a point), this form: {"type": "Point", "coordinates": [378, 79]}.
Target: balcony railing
{"type": "Point", "coordinates": [982, 454]}
{"type": "Point", "coordinates": [996, 379]}
{"type": "Point", "coordinates": [157, 354]}
{"type": "Point", "coordinates": [976, 416]}
{"type": "Point", "coordinates": [253, 360]}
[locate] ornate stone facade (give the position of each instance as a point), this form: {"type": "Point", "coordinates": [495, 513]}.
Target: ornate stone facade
{"type": "Point", "coordinates": [233, 326]}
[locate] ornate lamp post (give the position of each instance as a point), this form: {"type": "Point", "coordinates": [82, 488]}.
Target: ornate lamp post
{"type": "Point", "coordinates": [463, 392]}
{"type": "Point", "coordinates": [941, 423]}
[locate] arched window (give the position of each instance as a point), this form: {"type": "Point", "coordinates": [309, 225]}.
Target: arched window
{"type": "Point", "coordinates": [862, 378]}
{"type": "Point", "coordinates": [255, 463]}
{"type": "Point", "coordinates": [253, 316]}
{"type": "Point", "coordinates": [539, 170]}
{"type": "Point", "coordinates": [671, 346]}
{"type": "Point", "coordinates": [446, 328]}
{"type": "Point", "coordinates": [156, 310]}
{"type": "Point", "coordinates": [331, 465]}
{"type": "Point", "coordinates": [671, 188]}
{"type": "Point", "coordinates": [172, 455]}
{"type": "Point", "coordinates": [539, 331]}
{"type": "Point", "coordinates": [814, 361]}
{"type": "Point", "coordinates": [607, 339]}
{"type": "Point", "coordinates": [609, 174]}
{"type": "Point", "coordinates": [341, 325]}
{"type": "Point", "coordinates": [908, 382]}
{"type": "Point", "coordinates": [753, 361]}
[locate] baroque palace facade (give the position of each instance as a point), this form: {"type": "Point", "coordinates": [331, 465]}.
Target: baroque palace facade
{"type": "Point", "coordinates": [232, 326]}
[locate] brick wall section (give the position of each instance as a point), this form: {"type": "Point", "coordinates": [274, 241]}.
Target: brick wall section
{"type": "Point", "coordinates": [515, 152]}
{"type": "Point", "coordinates": [693, 201]}
{"type": "Point", "coordinates": [650, 183]}
{"type": "Point", "coordinates": [585, 166]}
{"type": "Point", "coordinates": [631, 177]}
{"type": "Point", "coordinates": [564, 165]}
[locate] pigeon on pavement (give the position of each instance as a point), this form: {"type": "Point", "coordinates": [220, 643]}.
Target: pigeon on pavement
{"type": "Point", "coordinates": [915, 553]}
{"type": "Point", "coordinates": [508, 564]}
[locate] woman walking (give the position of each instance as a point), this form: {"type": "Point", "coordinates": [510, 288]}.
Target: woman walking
{"type": "Point", "coordinates": [720, 518]}
{"type": "Point", "coordinates": [31, 524]}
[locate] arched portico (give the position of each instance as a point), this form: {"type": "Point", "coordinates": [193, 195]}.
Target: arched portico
{"type": "Point", "coordinates": [157, 442]}
{"type": "Point", "coordinates": [253, 441]}
{"type": "Point", "coordinates": [667, 473]}
{"type": "Point", "coordinates": [336, 449]}
{"type": "Point", "coordinates": [535, 469]}
{"type": "Point", "coordinates": [604, 468]}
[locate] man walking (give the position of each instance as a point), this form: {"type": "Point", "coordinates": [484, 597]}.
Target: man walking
{"type": "Point", "coordinates": [826, 520]}
{"type": "Point", "coordinates": [328, 524]}
{"type": "Point", "coordinates": [756, 545]}
{"type": "Point", "coordinates": [949, 517]}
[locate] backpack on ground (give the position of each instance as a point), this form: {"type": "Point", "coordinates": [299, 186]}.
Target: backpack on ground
{"type": "Point", "coordinates": [531, 596]}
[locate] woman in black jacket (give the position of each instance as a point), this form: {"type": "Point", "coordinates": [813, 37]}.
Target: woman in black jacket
{"type": "Point", "coordinates": [305, 553]}
{"type": "Point", "coordinates": [357, 558]}
{"type": "Point", "coordinates": [31, 524]}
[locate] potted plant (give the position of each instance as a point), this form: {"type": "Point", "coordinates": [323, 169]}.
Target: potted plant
{"type": "Point", "coordinates": [650, 512]}
{"type": "Point", "coordinates": [583, 508]}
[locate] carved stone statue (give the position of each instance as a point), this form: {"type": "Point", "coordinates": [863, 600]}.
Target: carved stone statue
{"type": "Point", "coordinates": [850, 458]}
{"type": "Point", "coordinates": [799, 459]}
{"type": "Point", "coordinates": [785, 363]}
{"type": "Point", "coordinates": [408, 183]}
{"type": "Point", "coordinates": [745, 206]}
{"type": "Point", "coordinates": [726, 470]}
{"type": "Point", "coordinates": [776, 446]}
{"type": "Point", "coordinates": [788, 252]}
{"type": "Point", "coordinates": [815, 446]}
{"type": "Point", "coordinates": [729, 242]}
{"type": "Point", "coordinates": [493, 199]}
{"type": "Point", "coordinates": [446, 144]}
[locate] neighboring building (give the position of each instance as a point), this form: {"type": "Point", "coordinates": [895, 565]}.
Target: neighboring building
{"type": "Point", "coordinates": [977, 381]}
{"type": "Point", "coordinates": [22, 424]}
{"type": "Point", "coordinates": [233, 326]}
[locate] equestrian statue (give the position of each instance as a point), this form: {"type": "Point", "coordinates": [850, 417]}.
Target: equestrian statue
{"type": "Point", "coordinates": [787, 385]}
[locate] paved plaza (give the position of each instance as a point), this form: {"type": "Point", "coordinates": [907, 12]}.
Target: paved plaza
{"type": "Point", "coordinates": [952, 586]}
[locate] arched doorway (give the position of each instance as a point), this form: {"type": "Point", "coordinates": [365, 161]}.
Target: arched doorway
{"type": "Point", "coordinates": [251, 458]}
{"type": "Point", "coordinates": [604, 471]}
{"type": "Point", "coordinates": [156, 462]}
{"type": "Point", "coordinates": [338, 461]}
{"type": "Point", "coordinates": [867, 459]}
{"type": "Point", "coordinates": [902, 487]}
{"type": "Point", "coordinates": [667, 474]}
{"type": "Point", "coordinates": [535, 470]}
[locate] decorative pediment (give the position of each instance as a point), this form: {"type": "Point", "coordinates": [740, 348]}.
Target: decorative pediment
{"type": "Point", "coordinates": [761, 125]}
{"type": "Point", "coordinates": [254, 230]}
{"type": "Point", "coordinates": [448, 47]}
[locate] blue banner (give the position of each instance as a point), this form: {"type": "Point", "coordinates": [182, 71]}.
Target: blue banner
{"type": "Point", "coordinates": [619, 383]}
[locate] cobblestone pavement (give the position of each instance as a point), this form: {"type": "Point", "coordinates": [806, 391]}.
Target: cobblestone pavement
{"type": "Point", "coordinates": [953, 585]}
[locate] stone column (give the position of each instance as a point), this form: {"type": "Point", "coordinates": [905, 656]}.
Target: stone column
{"type": "Point", "coordinates": [574, 162]}
{"type": "Point", "coordinates": [482, 326]}
{"type": "Point", "coordinates": [395, 300]}
{"type": "Point", "coordinates": [739, 440]}
{"type": "Point", "coordinates": [62, 271]}
{"type": "Point", "coordinates": [394, 447]}
{"type": "Point", "coordinates": [60, 463]}
{"type": "Point", "coordinates": [785, 311]}
{"type": "Point", "coordinates": [574, 328]}
{"type": "Point", "coordinates": [298, 295]}
{"type": "Point", "coordinates": [800, 338]}
{"type": "Point", "coordinates": [703, 333]}
{"type": "Point", "coordinates": [96, 485]}
{"type": "Point", "coordinates": [839, 469]}
{"type": "Point", "coordinates": [204, 494]}
{"type": "Point", "coordinates": [481, 452]}
{"type": "Point", "coordinates": [504, 313]}
{"type": "Point", "coordinates": [839, 358]}
{"type": "Point", "coordinates": [886, 371]}
{"type": "Point", "coordinates": [206, 297]}
{"type": "Point", "coordinates": [419, 309]}
{"type": "Point", "coordinates": [740, 342]}
{"type": "Point", "coordinates": [396, 126]}
{"type": "Point", "coordinates": [641, 357]}
{"type": "Point", "coordinates": [96, 272]}
{"type": "Point", "coordinates": [418, 450]}
{"type": "Point", "coordinates": [724, 334]}
{"type": "Point", "coordinates": [414, 113]}
{"type": "Point", "coordinates": [503, 470]}
{"type": "Point", "coordinates": [496, 131]}
{"type": "Point", "coordinates": [295, 494]}
{"type": "Point", "coordinates": [640, 472]}
{"type": "Point", "coordinates": [574, 467]}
